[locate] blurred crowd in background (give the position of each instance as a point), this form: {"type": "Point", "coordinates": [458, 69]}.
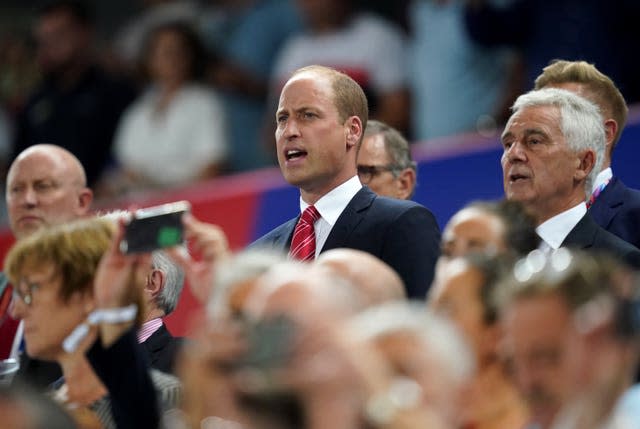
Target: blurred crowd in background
{"type": "Point", "coordinates": [159, 93]}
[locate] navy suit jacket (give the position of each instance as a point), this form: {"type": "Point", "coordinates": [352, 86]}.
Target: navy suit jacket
{"type": "Point", "coordinates": [161, 349]}
{"type": "Point", "coordinates": [617, 209]}
{"type": "Point", "coordinates": [587, 234]}
{"type": "Point", "coordinates": [402, 233]}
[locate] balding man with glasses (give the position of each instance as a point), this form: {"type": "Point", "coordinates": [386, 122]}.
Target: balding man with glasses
{"type": "Point", "coordinates": [384, 162]}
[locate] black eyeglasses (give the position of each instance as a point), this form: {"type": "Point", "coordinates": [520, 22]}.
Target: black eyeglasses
{"type": "Point", "coordinates": [368, 172]}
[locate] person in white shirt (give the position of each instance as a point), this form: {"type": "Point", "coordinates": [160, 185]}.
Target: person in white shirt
{"type": "Point", "coordinates": [554, 145]}
{"type": "Point", "coordinates": [174, 134]}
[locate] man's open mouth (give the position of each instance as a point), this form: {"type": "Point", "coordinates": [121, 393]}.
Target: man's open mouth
{"type": "Point", "coordinates": [516, 177]}
{"type": "Point", "coordinates": [293, 154]}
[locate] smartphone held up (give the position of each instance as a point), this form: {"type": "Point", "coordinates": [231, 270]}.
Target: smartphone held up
{"type": "Point", "coordinates": [154, 228]}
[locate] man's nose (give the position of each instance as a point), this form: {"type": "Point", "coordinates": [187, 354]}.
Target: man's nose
{"type": "Point", "coordinates": [30, 197]}
{"type": "Point", "coordinates": [515, 152]}
{"type": "Point", "coordinates": [291, 129]}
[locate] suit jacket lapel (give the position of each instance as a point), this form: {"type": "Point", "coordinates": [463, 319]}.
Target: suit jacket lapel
{"type": "Point", "coordinates": [283, 240]}
{"type": "Point", "coordinates": [155, 342]}
{"type": "Point", "coordinates": [582, 235]}
{"type": "Point", "coordinates": [608, 203]}
{"type": "Point", "coordinates": [349, 219]}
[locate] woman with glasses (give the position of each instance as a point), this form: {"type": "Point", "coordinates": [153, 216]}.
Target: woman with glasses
{"type": "Point", "coordinates": [53, 273]}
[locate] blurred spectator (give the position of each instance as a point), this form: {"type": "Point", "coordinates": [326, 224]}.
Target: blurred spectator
{"type": "Point", "coordinates": [601, 32]}
{"type": "Point", "coordinates": [46, 186]}
{"type": "Point", "coordinates": [396, 11]}
{"type": "Point", "coordinates": [129, 41]}
{"type": "Point", "coordinates": [245, 46]}
{"type": "Point", "coordinates": [457, 84]}
{"type": "Point", "coordinates": [384, 162]}
{"type": "Point", "coordinates": [429, 363]}
{"type": "Point", "coordinates": [207, 390]}
{"type": "Point", "coordinates": [490, 227]}
{"type": "Point", "coordinates": [77, 106]}
{"type": "Point", "coordinates": [463, 291]}
{"type": "Point", "coordinates": [570, 331]}
{"type": "Point", "coordinates": [612, 204]}
{"type": "Point", "coordinates": [6, 135]}
{"type": "Point", "coordinates": [18, 71]}
{"type": "Point", "coordinates": [23, 408]}
{"type": "Point", "coordinates": [367, 48]}
{"type": "Point", "coordinates": [373, 281]}
{"type": "Point", "coordinates": [173, 134]}
{"type": "Point", "coordinates": [53, 271]}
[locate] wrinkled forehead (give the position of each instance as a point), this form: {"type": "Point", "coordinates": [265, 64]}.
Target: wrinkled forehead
{"type": "Point", "coordinates": [541, 113]}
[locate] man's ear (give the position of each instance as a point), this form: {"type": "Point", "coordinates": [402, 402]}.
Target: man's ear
{"type": "Point", "coordinates": [586, 163]}
{"type": "Point", "coordinates": [406, 181]}
{"type": "Point", "coordinates": [85, 198]}
{"type": "Point", "coordinates": [155, 282]}
{"type": "Point", "coordinates": [353, 130]}
{"type": "Point", "coordinates": [610, 130]}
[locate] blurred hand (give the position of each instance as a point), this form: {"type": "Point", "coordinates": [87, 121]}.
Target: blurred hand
{"type": "Point", "coordinates": [211, 243]}
{"type": "Point", "coordinates": [119, 278]}
{"type": "Point", "coordinates": [119, 281]}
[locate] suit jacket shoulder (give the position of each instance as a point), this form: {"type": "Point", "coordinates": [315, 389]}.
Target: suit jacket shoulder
{"type": "Point", "coordinates": [617, 209]}
{"type": "Point", "coordinates": [587, 234]}
{"type": "Point", "coordinates": [161, 349]}
{"type": "Point", "coordinates": [401, 233]}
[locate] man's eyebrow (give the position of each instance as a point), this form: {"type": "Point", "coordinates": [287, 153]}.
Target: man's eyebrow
{"type": "Point", "coordinates": [528, 132]}
{"type": "Point", "coordinates": [297, 109]}
{"type": "Point", "coordinates": [534, 131]}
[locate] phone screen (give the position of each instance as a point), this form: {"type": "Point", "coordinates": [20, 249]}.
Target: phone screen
{"type": "Point", "coordinates": [155, 228]}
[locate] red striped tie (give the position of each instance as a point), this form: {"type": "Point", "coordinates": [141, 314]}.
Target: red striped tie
{"type": "Point", "coordinates": [303, 243]}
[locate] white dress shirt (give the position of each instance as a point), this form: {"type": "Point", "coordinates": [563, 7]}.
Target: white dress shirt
{"type": "Point", "coordinates": [330, 207]}
{"type": "Point", "coordinates": [553, 231]}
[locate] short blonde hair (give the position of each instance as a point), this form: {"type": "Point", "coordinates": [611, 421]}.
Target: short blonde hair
{"type": "Point", "coordinates": [73, 249]}
{"type": "Point", "coordinates": [600, 89]}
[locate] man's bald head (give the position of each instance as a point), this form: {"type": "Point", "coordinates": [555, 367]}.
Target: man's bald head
{"type": "Point", "coordinates": [375, 281]}
{"type": "Point", "coordinates": [46, 185]}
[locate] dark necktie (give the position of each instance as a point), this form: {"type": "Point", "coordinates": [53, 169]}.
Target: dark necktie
{"type": "Point", "coordinates": [303, 243]}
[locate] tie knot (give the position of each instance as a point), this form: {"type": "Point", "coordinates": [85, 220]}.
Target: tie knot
{"type": "Point", "coordinates": [310, 215]}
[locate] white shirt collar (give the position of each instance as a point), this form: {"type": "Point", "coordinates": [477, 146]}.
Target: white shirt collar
{"type": "Point", "coordinates": [331, 205]}
{"type": "Point", "coordinates": [601, 178]}
{"type": "Point", "coordinates": [553, 231]}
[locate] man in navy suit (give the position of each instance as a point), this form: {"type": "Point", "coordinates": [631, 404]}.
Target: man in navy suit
{"type": "Point", "coordinates": [553, 149]}
{"type": "Point", "coordinates": [321, 117]}
{"type": "Point", "coordinates": [614, 206]}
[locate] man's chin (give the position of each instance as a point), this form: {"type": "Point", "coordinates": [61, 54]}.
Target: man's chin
{"type": "Point", "coordinates": [518, 196]}
{"type": "Point", "coordinates": [25, 229]}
